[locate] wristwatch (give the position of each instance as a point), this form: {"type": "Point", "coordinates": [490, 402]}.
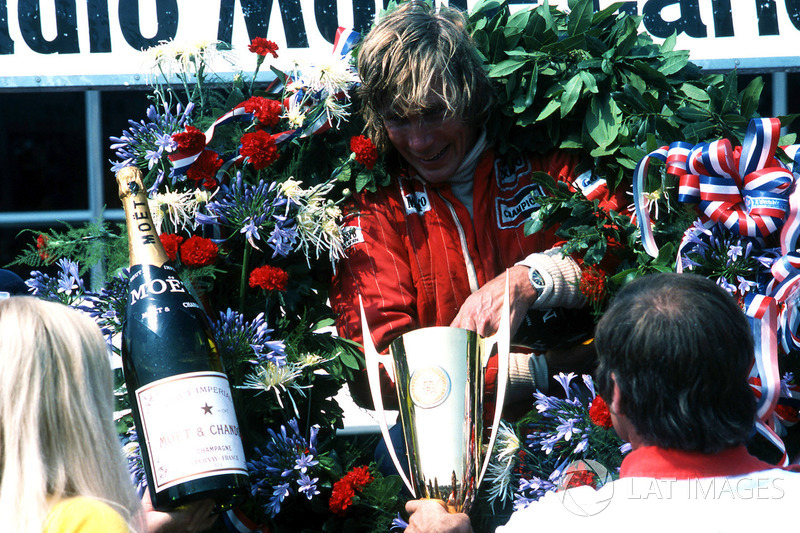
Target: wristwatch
{"type": "Point", "coordinates": [537, 280]}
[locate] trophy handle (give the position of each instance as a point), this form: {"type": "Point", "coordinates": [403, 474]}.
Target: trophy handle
{"type": "Point", "coordinates": [503, 340]}
{"type": "Point", "coordinates": [373, 360]}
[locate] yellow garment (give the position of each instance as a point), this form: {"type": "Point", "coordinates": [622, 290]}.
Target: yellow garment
{"type": "Point", "coordinates": [84, 515]}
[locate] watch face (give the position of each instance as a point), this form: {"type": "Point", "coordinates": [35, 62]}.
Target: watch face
{"type": "Point", "coordinates": [536, 279]}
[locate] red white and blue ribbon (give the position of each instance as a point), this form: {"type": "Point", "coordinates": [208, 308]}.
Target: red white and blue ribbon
{"type": "Point", "coordinates": [317, 123]}
{"type": "Point", "coordinates": [731, 187]}
{"type": "Point", "coordinates": [345, 41]}
{"type": "Point", "coordinates": [752, 194]}
{"type": "Point", "coordinates": [182, 160]}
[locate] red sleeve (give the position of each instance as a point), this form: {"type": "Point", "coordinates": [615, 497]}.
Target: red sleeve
{"type": "Point", "coordinates": [377, 270]}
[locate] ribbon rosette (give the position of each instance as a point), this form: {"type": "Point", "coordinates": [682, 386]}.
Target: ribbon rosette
{"type": "Point", "coordinates": [733, 187]}
{"type": "Point", "coordinates": [749, 192]}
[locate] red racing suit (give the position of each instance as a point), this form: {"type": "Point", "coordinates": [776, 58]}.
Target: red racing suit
{"type": "Point", "coordinates": [414, 254]}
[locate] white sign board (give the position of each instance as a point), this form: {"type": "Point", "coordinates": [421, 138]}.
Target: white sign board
{"type": "Point", "coordinates": [52, 43]}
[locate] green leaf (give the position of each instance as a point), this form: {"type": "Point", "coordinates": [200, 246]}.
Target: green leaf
{"type": "Point", "coordinates": [595, 252]}
{"type": "Point", "coordinates": [603, 120]}
{"type": "Point", "coordinates": [344, 174]}
{"type": "Point", "coordinates": [603, 14]}
{"type": "Point", "coordinates": [697, 131]}
{"type": "Point", "coordinates": [580, 16]}
{"type": "Point", "coordinates": [674, 62]}
{"type": "Point", "coordinates": [548, 110]}
{"type": "Point", "coordinates": [588, 81]}
{"type": "Point", "coordinates": [544, 11]}
{"type": "Point", "coordinates": [348, 359]}
{"type": "Point", "coordinates": [750, 97]}
{"type": "Point", "coordinates": [363, 181]}
{"type": "Point", "coordinates": [668, 44]}
{"type": "Point", "coordinates": [571, 94]}
{"type": "Point", "coordinates": [532, 84]}
{"type": "Point", "coordinates": [694, 93]}
{"type": "Point", "coordinates": [504, 68]}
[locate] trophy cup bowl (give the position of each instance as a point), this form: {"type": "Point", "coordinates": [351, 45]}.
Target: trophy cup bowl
{"type": "Point", "coordinates": [439, 378]}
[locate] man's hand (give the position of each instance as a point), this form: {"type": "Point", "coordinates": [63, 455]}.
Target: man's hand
{"type": "Point", "coordinates": [430, 516]}
{"type": "Point", "coordinates": [193, 518]}
{"type": "Point", "coordinates": [481, 311]}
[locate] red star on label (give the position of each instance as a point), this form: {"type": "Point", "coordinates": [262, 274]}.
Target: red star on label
{"type": "Point", "coordinates": [207, 408]}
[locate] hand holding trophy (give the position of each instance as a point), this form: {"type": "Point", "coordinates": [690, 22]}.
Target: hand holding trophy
{"type": "Point", "coordinates": [439, 377]}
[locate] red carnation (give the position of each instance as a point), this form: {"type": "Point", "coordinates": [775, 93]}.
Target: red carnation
{"type": "Point", "coordinates": [197, 251]}
{"type": "Point", "coordinates": [365, 151]}
{"type": "Point", "coordinates": [593, 285]}
{"type": "Point", "coordinates": [41, 247]}
{"type": "Point", "coordinates": [205, 167]}
{"type": "Point", "coordinates": [269, 278]}
{"type": "Point", "coordinates": [262, 47]}
{"type": "Point", "coordinates": [266, 110]}
{"type": "Point", "coordinates": [345, 489]}
{"type": "Point", "coordinates": [171, 242]}
{"type": "Point", "coordinates": [582, 478]}
{"type": "Point", "coordinates": [192, 140]}
{"type": "Point", "coordinates": [599, 413]}
{"type": "Point", "coordinates": [260, 149]}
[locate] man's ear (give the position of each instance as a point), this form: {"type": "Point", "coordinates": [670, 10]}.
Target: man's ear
{"type": "Point", "coordinates": [615, 406]}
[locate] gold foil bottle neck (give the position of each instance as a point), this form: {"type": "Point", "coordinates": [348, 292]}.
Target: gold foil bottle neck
{"type": "Point", "coordinates": [144, 245]}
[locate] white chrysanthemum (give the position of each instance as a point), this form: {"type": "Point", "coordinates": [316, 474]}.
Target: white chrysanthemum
{"type": "Point", "coordinates": [292, 190]}
{"type": "Point", "coordinates": [295, 114]}
{"type": "Point", "coordinates": [333, 75]}
{"type": "Point", "coordinates": [319, 230]}
{"type": "Point", "coordinates": [336, 110]}
{"type": "Point", "coordinates": [185, 57]}
{"type": "Point", "coordinates": [271, 377]}
{"type": "Point", "coordinates": [505, 458]}
{"type": "Point", "coordinates": [203, 196]}
{"type": "Point", "coordinates": [179, 208]}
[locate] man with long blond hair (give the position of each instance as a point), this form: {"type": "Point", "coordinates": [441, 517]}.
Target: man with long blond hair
{"type": "Point", "coordinates": [432, 247]}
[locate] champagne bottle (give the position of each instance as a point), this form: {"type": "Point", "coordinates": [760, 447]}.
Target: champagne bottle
{"type": "Point", "coordinates": [179, 394]}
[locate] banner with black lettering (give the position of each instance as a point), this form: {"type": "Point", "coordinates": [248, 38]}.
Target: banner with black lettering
{"type": "Point", "coordinates": [48, 43]}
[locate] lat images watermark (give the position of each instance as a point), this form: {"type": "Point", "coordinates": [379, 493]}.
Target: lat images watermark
{"type": "Point", "coordinates": [719, 488]}
{"type": "Point", "coordinates": [581, 473]}
{"type": "Point", "coordinates": [591, 474]}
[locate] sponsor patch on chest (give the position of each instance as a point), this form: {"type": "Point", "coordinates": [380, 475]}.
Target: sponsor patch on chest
{"type": "Point", "coordinates": [515, 211]}
{"type": "Point", "coordinates": [508, 173]}
{"type": "Point", "coordinates": [352, 235]}
{"type": "Point", "coordinates": [416, 202]}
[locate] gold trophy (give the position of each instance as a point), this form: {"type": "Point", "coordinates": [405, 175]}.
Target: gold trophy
{"type": "Point", "coordinates": [439, 377]}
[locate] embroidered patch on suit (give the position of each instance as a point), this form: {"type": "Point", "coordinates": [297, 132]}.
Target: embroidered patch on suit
{"type": "Point", "coordinates": [352, 235]}
{"type": "Point", "coordinates": [509, 172]}
{"type": "Point", "coordinates": [515, 211]}
{"type": "Point", "coordinates": [416, 202]}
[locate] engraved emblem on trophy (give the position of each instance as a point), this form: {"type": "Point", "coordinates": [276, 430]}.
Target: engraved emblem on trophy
{"type": "Point", "coordinates": [439, 377]}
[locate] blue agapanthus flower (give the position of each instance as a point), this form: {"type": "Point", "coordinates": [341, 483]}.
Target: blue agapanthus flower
{"type": "Point", "coordinates": [66, 287]}
{"type": "Point", "coordinates": [146, 142]}
{"type": "Point", "coordinates": [286, 460]}
{"type": "Point", "coordinates": [107, 307]}
{"type": "Point", "coordinates": [248, 340]}
{"type": "Point", "coordinates": [254, 211]}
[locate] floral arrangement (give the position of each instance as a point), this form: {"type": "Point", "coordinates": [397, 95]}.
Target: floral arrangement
{"type": "Point", "coordinates": [245, 180]}
{"type": "Point", "coordinates": [248, 212]}
{"type": "Point", "coordinates": [533, 456]}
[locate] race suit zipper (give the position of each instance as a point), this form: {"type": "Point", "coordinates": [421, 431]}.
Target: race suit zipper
{"type": "Point", "coordinates": [472, 275]}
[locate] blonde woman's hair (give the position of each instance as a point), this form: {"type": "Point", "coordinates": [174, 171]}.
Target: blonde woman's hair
{"type": "Point", "coordinates": [56, 416]}
{"type": "Point", "coordinates": [417, 57]}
